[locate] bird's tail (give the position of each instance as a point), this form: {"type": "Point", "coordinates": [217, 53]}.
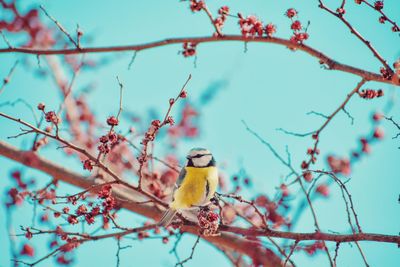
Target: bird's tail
{"type": "Point", "coordinates": [167, 218]}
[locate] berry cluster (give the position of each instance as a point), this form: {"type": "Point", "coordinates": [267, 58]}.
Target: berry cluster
{"type": "Point", "coordinates": [387, 74]}
{"type": "Point", "coordinates": [88, 165]}
{"type": "Point", "coordinates": [314, 247]}
{"type": "Point", "coordinates": [196, 6]}
{"type": "Point", "coordinates": [220, 21]}
{"type": "Point", "coordinates": [370, 94]}
{"type": "Point", "coordinates": [375, 135]}
{"type": "Point", "coordinates": [189, 49]}
{"type": "Point", "coordinates": [339, 165]}
{"type": "Point", "coordinates": [29, 23]}
{"type": "Point", "coordinates": [186, 127]}
{"type": "Point", "coordinates": [272, 213]}
{"type": "Point", "coordinates": [18, 193]}
{"type": "Point", "coordinates": [90, 211]}
{"type": "Point", "coordinates": [313, 158]}
{"type": "Point", "coordinates": [49, 116]}
{"type": "Point", "coordinates": [107, 142]}
{"type": "Point", "coordinates": [250, 26]}
{"type": "Point", "coordinates": [208, 222]}
{"type": "Point", "coordinates": [299, 36]}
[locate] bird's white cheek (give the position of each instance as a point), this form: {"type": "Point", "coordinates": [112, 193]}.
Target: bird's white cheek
{"type": "Point", "coordinates": [201, 162]}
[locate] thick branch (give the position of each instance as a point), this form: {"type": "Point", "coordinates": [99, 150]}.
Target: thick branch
{"type": "Point", "coordinates": [332, 64]}
{"type": "Point", "coordinates": [226, 240]}
{"type": "Point", "coordinates": [342, 238]}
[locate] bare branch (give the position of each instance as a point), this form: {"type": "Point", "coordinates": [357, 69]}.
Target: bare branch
{"type": "Point", "coordinates": [359, 36]}
{"type": "Point", "coordinates": [324, 59]}
{"type": "Point", "coordinates": [60, 27]}
{"type": "Point", "coordinates": [7, 79]}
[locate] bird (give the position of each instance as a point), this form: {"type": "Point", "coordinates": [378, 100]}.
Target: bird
{"type": "Point", "coordinates": [196, 184]}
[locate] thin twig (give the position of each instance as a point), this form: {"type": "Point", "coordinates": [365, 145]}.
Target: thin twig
{"type": "Point", "coordinates": [60, 27]}
{"type": "Point", "coordinates": [7, 79]}
{"type": "Point", "coordinates": [191, 254]}
{"type": "Point", "coordinates": [296, 242]}
{"type": "Point", "coordinates": [359, 36]}
{"type": "Point", "coordinates": [6, 40]}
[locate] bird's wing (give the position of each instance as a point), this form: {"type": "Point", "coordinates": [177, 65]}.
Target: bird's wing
{"type": "Point", "coordinates": [181, 176]}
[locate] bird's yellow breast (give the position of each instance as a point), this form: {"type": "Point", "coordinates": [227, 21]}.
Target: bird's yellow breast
{"type": "Point", "coordinates": [193, 190]}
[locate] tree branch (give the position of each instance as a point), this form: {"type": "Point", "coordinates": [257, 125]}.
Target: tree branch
{"type": "Point", "coordinates": [131, 198]}
{"type": "Point", "coordinates": [324, 59]}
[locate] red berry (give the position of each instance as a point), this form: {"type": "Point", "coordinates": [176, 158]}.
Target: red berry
{"type": "Point", "coordinates": [51, 116]}
{"type": "Point", "coordinates": [183, 94]}
{"type": "Point", "coordinates": [41, 106]}
{"type": "Point", "coordinates": [341, 11]}
{"type": "Point", "coordinates": [112, 121]}
{"type": "Point", "coordinates": [170, 120]}
{"type": "Point", "coordinates": [323, 190]}
{"type": "Point", "coordinates": [378, 5]}
{"type": "Point", "coordinates": [377, 116]}
{"type": "Point", "coordinates": [291, 12]}
{"type": "Point", "coordinates": [27, 250]}
{"type": "Point", "coordinates": [72, 219]}
{"type": "Point", "coordinates": [66, 210]}
{"type": "Point", "coordinates": [304, 165]}
{"type": "Point", "coordinates": [308, 176]}
{"type": "Point", "coordinates": [270, 29]}
{"type": "Point", "coordinates": [378, 133]}
{"type": "Point", "coordinates": [87, 165]}
{"type": "Point", "coordinates": [156, 123]}
{"type": "Point", "coordinates": [28, 233]}
{"type": "Point", "coordinates": [104, 139]}
{"type": "Point", "coordinates": [296, 25]}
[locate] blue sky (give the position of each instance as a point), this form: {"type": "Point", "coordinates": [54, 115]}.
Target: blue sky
{"type": "Point", "coordinates": [268, 86]}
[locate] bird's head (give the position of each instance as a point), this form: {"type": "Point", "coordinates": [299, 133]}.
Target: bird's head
{"type": "Point", "coordinates": [200, 158]}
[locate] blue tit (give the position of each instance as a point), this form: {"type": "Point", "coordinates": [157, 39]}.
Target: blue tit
{"type": "Point", "coordinates": [196, 184]}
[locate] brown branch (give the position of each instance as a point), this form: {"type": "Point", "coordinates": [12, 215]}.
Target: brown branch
{"type": "Point", "coordinates": [298, 180]}
{"type": "Point", "coordinates": [329, 119]}
{"type": "Point", "coordinates": [324, 59]}
{"type": "Point", "coordinates": [244, 217]}
{"type": "Point", "coordinates": [191, 254]}
{"type": "Point", "coordinates": [395, 26]}
{"type": "Point", "coordinates": [217, 29]}
{"type": "Point", "coordinates": [60, 27]}
{"type": "Point", "coordinates": [226, 240]}
{"type": "Point", "coordinates": [144, 155]}
{"type": "Point", "coordinates": [343, 238]}
{"type": "Point", "coordinates": [88, 155]}
{"type": "Point", "coordinates": [6, 80]}
{"type": "Point", "coordinates": [344, 191]}
{"type": "Point", "coordinates": [296, 242]}
{"type": "Point", "coordinates": [5, 39]}
{"type": "Point", "coordinates": [336, 252]}
{"type": "Point", "coordinates": [359, 36]}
